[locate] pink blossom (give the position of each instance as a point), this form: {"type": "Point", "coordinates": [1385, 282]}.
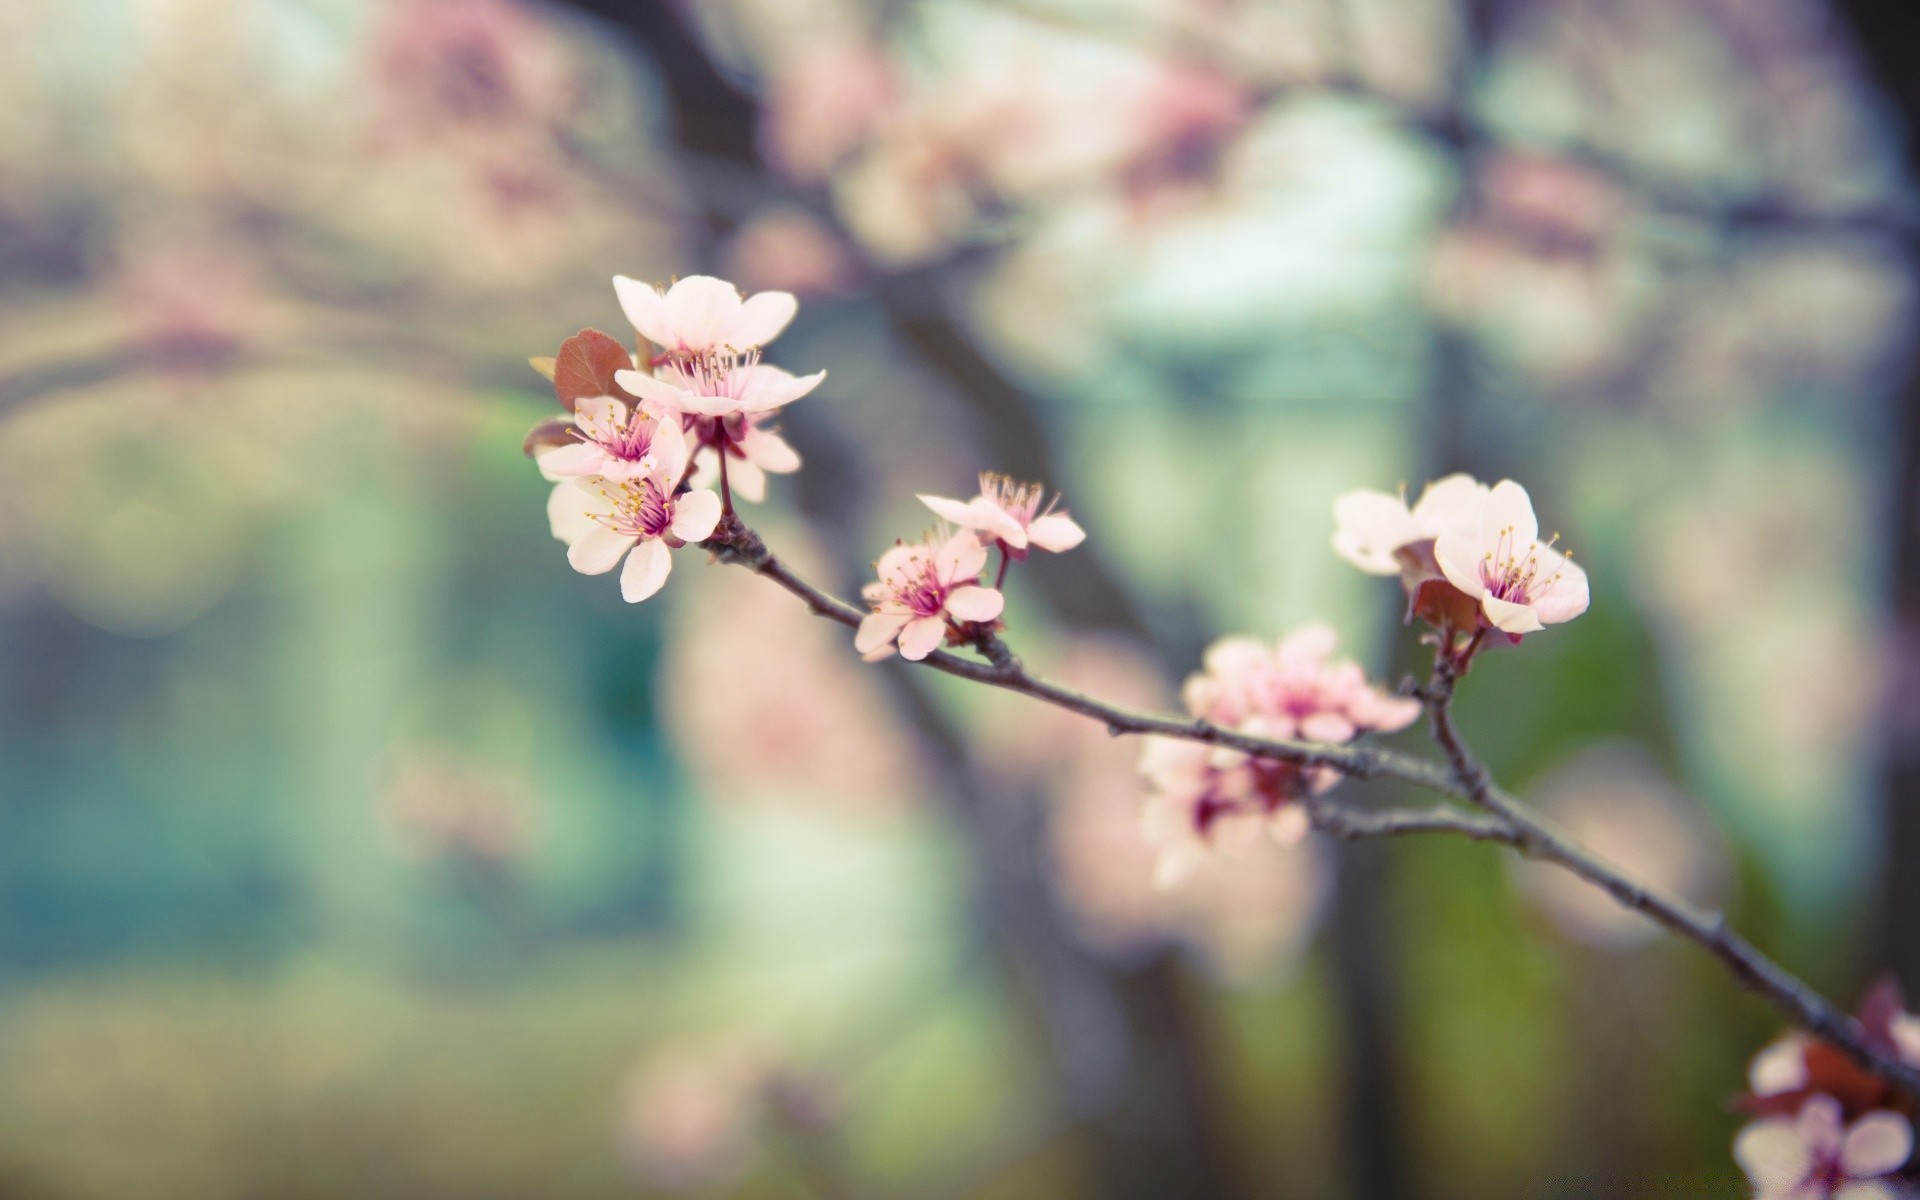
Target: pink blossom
{"type": "Point", "coordinates": [1521, 583]}
{"type": "Point", "coordinates": [699, 315]}
{"type": "Point", "coordinates": [716, 384]}
{"type": "Point", "coordinates": [922, 588]}
{"type": "Point", "coordinates": [1816, 1156]}
{"type": "Point", "coordinates": [1012, 515]}
{"type": "Point", "coordinates": [601, 520]}
{"type": "Point", "coordinates": [1371, 528]}
{"type": "Point", "coordinates": [617, 444]}
{"type": "Point", "coordinates": [752, 453]}
{"type": "Point", "coordinates": [1202, 796]}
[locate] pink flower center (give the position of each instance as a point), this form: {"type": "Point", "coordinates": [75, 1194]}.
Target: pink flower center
{"type": "Point", "coordinates": [917, 586]}
{"type": "Point", "coordinates": [1512, 573]}
{"type": "Point", "coordinates": [720, 371]}
{"type": "Point", "coordinates": [629, 442]}
{"type": "Point", "coordinates": [641, 509]}
{"type": "Point", "coordinates": [1021, 501]}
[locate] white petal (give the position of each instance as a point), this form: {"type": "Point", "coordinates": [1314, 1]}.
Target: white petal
{"type": "Point", "coordinates": [581, 458]}
{"type": "Point", "coordinates": [646, 570]}
{"type": "Point", "coordinates": [767, 388]}
{"type": "Point", "coordinates": [1056, 532]}
{"type": "Point", "coordinates": [1509, 617]}
{"type": "Point", "coordinates": [1567, 597]}
{"type": "Point", "coordinates": [976, 603]}
{"type": "Point", "coordinates": [571, 510]}
{"type": "Point", "coordinates": [960, 512]}
{"type": "Point", "coordinates": [669, 451]}
{"type": "Point", "coordinates": [1508, 515]}
{"type": "Point", "coordinates": [646, 310]}
{"type": "Point", "coordinates": [746, 479]}
{"type": "Point", "coordinates": [1772, 1154]}
{"type": "Point", "coordinates": [700, 308]}
{"type": "Point", "coordinates": [1369, 526]}
{"type": "Point", "coordinates": [694, 516]}
{"type": "Point", "coordinates": [600, 417]}
{"type": "Point", "coordinates": [1460, 556]}
{"type": "Point", "coordinates": [598, 549]}
{"type": "Point", "coordinates": [770, 452]}
{"type": "Point", "coordinates": [877, 630]}
{"type": "Point", "coordinates": [1289, 825]}
{"type": "Point", "coordinates": [1878, 1144]}
{"type": "Point", "coordinates": [961, 558]}
{"type": "Point", "coordinates": [1781, 1067]}
{"type": "Point", "coordinates": [759, 320]}
{"type": "Point", "coordinates": [1866, 1191]}
{"type": "Point", "coordinates": [1178, 863]}
{"type": "Point", "coordinates": [921, 637]}
{"type": "Point", "coordinates": [657, 394]}
{"type": "Point", "coordinates": [1451, 503]}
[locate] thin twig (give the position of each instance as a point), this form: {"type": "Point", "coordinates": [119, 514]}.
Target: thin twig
{"type": "Point", "coordinates": [1507, 820]}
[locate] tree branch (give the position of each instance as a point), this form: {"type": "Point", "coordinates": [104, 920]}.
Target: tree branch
{"type": "Point", "coordinates": [1507, 820]}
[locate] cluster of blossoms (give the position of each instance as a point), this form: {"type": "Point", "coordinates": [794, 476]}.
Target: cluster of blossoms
{"type": "Point", "coordinates": [648, 432]}
{"type": "Point", "coordinates": [1826, 1129]}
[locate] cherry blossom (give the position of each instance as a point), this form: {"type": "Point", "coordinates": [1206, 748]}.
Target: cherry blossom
{"type": "Point", "coordinates": [717, 384]}
{"type": "Point", "coordinates": [1204, 797]}
{"type": "Point", "coordinates": [1371, 528]}
{"type": "Point", "coordinates": [1012, 515]}
{"type": "Point", "coordinates": [1521, 583]}
{"type": "Point", "coordinates": [617, 444]}
{"type": "Point", "coordinates": [752, 453]}
{"type": "Point", "coordinates": [601, 520]}
{"type": "Point", "coordinates": [700, 315]}
{"type": "Point", "coordinates": [921, 590]}
{"type": "Point", "coordinates": [1817, 1156]}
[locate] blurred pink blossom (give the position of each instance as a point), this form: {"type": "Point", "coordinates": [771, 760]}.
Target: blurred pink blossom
{"type": "Point", "coordinates": [693, 1114]}
{"type": "Point", "coordinates": [1817, 1156]}
{"type": "Point", "coordinates": [1522, 583]}
{"type": "Point", "coordinates": [823, 101]}
{"type": "Point", "coordinates": [1204, 797]}
{"type": "Point", "coordinates": [788, 249]}
{"type": "Point", "coordinates": [701, 315]}
{"type": "Point", "coordinates": [440, 805]}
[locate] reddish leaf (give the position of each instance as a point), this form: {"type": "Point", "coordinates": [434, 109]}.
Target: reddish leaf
{"type": "Point", "coordinates": [585, 366]}
{"type": "Point", "coordinates": [553, 431]}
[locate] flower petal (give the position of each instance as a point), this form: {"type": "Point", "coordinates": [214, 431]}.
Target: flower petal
{"type": "Point", "coordinates": [960, 512]}
{"type": "Point", "coordinates": [1289, 824]}
{"type": "Point", "coordinates": [767, 388]}
{"type": "Point", "coordinates": [580, 458]}
{"type": "Point", "coordinates": [1781, 1067]}
{"type": "Point", "coordinates": [646, 309]}
{"type": "Point", "coordinates": [656, 394]}
{"type": "Point", "coordinates": [699, 309]}
{"type": "Point", "coordinates": [646, 570]}
{"type": "Point", "coordinates": [1878, 1144]}
{"type": "Point", "coordinates": [600, 417]}
{"type": "Point", "coordinates": [769, 451]}
{"type": "Point", "coordinates": [1772, 1154]}
{"type": "Point", "coordinates": [759, 320]}
{"type": "Point", "coordinates": [920, 637]}
{"type": "Point", "coordinates": [1451, 503]}
{"type": "Point", "coordinates": [960, 558]}
{"type": "Point", "coordinates": [694, 516]}
{"type": "Point", "coordinates": [746, 479]}
{"type": "Point", "coordinates": [1509, 617]}
{"type": "Point", "coordinates": [1369, 526]}
{"type": "Point", "coordinates": [571, 510]}
{"type": "Point", "coordinates": [669, 451]}
{"type": "Point", "coordinates": [1460, 556]}
{"type": "Point", "coordinates": [1566, 597]}
{"type": "Point", "coordinates": [1056, 532]}
{"type": "Point", "coordinates": [976, 603]}
{"type": "Point", "coordinates": [1326, 727]}
{"type": "Point", "coordinates": [877, 630]}
{"type": "Point", "coordinates": [598, 549]}
{"type": "Point", "coordinates": [1508, 515]}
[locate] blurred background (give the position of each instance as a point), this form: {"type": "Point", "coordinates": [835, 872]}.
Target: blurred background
{"type": "Point", "coordinates": [351, 845]}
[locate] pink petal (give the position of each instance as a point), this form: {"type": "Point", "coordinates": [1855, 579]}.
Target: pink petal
{"type": "Point", "coordinates": [1781, 1067]}
{"type": "Point", "coordinates": [770, 452]}
{"type": "Point", "coordinates": [746, 479]}
{"type": "Point", "coordinates": [657, 394]}
{"type": "Point", "coordinates": [1878, 1144]}
{"type": "Point", "coordinates": [646, 570]}
{"type": "Point", "coordinates": [669, 451]}
{"type": "Point", "coordinates": [1460, 556]}
{"type": "Point", "coordinates": [1509, 617]}
{"type": "Point", "coordinates": [1866, 1191]}
{"type": "Point", "coordinates": [877, 630]}
{"type": "Point", "coordinates": [1056, 532]}
{"type": "Point", "coordinates": [600, 417]}
{"type": "Point", "coordinates": [960, 512]}
{"type": "Point", "coordinates": [759, 320]}
{"type": "Point", "coordinates": [646, 310]}
{"type": "Point", "coordinates": [1508, 514]}
{"type": "Point", "coordinates": [1178, 863]}
{"type": "Point", "coordinates": [598, 549]}
{"type": "Point", "coordinates": [976, 604]}
{"type": "Point", "coordinates": [694, 516]}
{"type": "Point", "coordinates": [1289, 824]}
{"type": "Point", "coordinates": [961, 558]}
{"type": "Point", "coordinates": [581, 458]}
{"type": "Point", "coordinates": [571, 510]}
{"type": "Point", "coordinates": [920, 637]}
{"type": "Point", "coordinates": [1327, 727]}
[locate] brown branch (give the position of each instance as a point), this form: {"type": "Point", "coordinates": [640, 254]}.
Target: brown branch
{"type": "Point", "coordinates": [1507, 821]}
